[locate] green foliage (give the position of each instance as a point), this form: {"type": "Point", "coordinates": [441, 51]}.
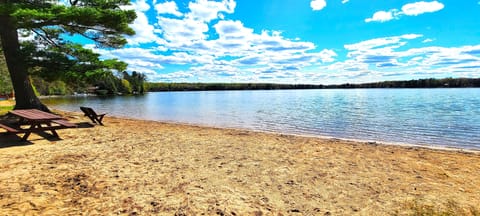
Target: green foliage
{"type": "Point", "coordinates": [57, 88]}
{"type": "Point", "coordinates": [225, 86]}
{"type": "Point", "coordinates": [35, 91]}
{"type": "Point", "coordinates": [80, 67]}
{"type": "Point", "coordinates": [106, 81]}
{"type": "Point", "coordinates": [42, 87]}
{"type": "Point", "coordinates": [114, 64]}
{"type": "Point", "coordinates": [136, 80]}
{"type": "Point", "coordinates": [425, 83]}
{"type": "Point", "coordinates": [126, 87]}
{"type": "Point", "coordinates": [60, 66]}
{"type": "Point", "coordinates": [145, 87]}
{"type": "Point", "coordinates": [102, 21]}
{"type": "Point", "coordinates": [421, 83]}
{"type": "Point", "coordinates": [4, 109]}
{"type": "Point", "coordinates": [102, 92]}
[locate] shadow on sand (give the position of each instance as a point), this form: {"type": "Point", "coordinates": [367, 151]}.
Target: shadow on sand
{"type": "Point", "coordinates": [13, 140]}
{"type": "Point", "coordinates": [85, 125]}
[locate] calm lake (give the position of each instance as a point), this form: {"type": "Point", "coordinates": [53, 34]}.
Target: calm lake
{"type": "Point", "coordinates": [438, 117]}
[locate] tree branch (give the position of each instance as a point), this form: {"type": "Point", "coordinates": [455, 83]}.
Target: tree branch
{"type": "Point", "coordinates": [46, 37]}
{"type": "Point", "coordinates": [73, 3]}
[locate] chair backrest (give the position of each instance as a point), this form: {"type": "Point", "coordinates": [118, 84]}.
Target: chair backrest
{"type": "Point", "coordinates": [88, 111]}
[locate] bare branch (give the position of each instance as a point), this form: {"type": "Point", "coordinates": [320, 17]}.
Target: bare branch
{"type": "Point", "coordinates": [46, 37]}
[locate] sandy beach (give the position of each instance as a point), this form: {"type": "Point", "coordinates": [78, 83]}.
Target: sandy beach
{"type": "Point", "coordinates": [134, 167]}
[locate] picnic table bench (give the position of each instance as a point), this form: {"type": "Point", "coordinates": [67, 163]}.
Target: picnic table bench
{"type": "Point", "coordinates": [34, 121]}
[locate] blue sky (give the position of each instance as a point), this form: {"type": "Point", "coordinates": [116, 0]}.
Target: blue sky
{"type": "Point", "coordinates": [302, 41]}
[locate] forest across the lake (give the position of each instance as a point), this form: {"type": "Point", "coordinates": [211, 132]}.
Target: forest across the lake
{"type": "Point", "coordinates": [421, 83]}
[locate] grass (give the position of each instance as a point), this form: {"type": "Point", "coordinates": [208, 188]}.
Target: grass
{"type": "Point", "coordinates": [4, 109]}
{"type": "Point", "coordinates": [450, 208]}
{"type": "Point", "coordinates": [6, 105]}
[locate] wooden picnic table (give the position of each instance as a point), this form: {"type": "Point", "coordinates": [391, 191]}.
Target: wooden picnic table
{"type": "Point", "coordinates": [36, 121]}
{"type": "Point", "coordinates": [35, 115]}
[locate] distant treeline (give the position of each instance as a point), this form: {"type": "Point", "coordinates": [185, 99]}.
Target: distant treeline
{"type": "Point", "coordinates": [224, 86]}
{"type": "Point", "coordinates": [422, 83]}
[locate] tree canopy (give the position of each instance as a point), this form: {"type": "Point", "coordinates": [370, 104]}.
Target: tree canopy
{"type": "Point", "coordinates": [102, 21]}
{"type": "Point", "coordinates": [46, 47]}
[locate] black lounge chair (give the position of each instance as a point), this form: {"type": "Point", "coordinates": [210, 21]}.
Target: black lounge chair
{"type": "Point", "coordinates": [90, 113]}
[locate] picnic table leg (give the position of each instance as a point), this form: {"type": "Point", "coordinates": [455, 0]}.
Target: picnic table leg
{"type": "Point", "coordinates": [54, 133]}
{"type": "Point", "coordinates": [27, 134]}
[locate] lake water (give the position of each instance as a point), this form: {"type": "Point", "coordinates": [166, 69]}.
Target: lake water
{"type": "Point", "coordinates": [438, 117]}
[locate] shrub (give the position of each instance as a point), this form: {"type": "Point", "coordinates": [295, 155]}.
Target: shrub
{"type": "Point", "coordinates": [126, 87]}
{"type": "Point", "coordinates": [57, 88]}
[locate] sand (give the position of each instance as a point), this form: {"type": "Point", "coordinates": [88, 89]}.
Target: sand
{"type": "Point", "coordinates": [5, 103]}
{"type": "Point", "coordinates": [134, 167]}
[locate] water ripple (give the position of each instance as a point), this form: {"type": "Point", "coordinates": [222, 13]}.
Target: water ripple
{"type": "Point", "coordinates": [441, 117]}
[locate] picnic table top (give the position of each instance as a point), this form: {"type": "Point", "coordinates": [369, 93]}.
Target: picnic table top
{"type": "Point", "coordinates": [35, 115]}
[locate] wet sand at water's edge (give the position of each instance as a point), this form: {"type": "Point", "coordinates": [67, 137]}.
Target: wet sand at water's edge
{"type": "Point", "coordinates": [134, 167]}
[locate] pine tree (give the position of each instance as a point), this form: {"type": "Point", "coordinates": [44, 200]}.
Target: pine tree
{"type": "Point", "coordinates": [102, 21]}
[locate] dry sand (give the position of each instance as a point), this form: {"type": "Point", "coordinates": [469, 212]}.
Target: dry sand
{"type": "Point", "coordinates": [132, 167]}
{"type": "Point", "coordinates": [4, 103]}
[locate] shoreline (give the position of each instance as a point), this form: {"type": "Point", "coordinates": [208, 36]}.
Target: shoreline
{"type": "Point", "coordinates": [146, 167]}
{"type": "Point", "coordinates": [371, 142]}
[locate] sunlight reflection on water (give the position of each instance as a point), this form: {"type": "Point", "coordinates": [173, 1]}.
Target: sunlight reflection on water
{"type": "Point", "coordinates": [442, 117]}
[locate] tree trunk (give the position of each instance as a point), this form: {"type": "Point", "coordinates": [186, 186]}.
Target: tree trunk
{"type": "Point", "coordinates": [24, 95]}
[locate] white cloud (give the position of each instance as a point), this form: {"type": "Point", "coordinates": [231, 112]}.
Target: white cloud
{"type": "Point", "coordinates": [216, 69]}
{"type": "Point", "coordinates": [274, 42]}
{"type": "Point", "coordinates": [202, 44]}
{"type": "Point", "coordinates": [232, 30]}
{"type": "Point", "coordinates": [125, 53]}
{"type": "Point", "coordinates": [327, 55]}
{"type": "Point", "coordinates": [236, 52]}
{"type": "Point", "coordinates": [381, 16]}
{"type": "Point", "coordinates": [168, 8]}
{"type": "Point", "coordinates": [411, 36]}
{"type": "Point", "coordinates": [251, 51]}
{"type": "Point", "coordinates": [150, 59]}
{"type": "Point", "coordinates": [207, 11]}
{"type": "Point", "coordinates": [345, 1]}
{"type": "Point", "coordinates": [192, 28]}
{"type": "Point", "coordinates": [417, 8]}
{"type": "Point", "coordinates": [139, 5]}
{"type": "Point", "coordinates": [318, 4]}
{"type": "Point", "coordinates": [142, 5]}
{"type": "Point", "coordinates": [144, 32]}
{"type": "Point", "coordinates": [24, 35]}
{"type": "Point", "coordinates": [385, 42]}
{"type": "Point", "coordinates": [179, 76]}
{"type": "Point", "coordinates": [428, 40]}
{"type": "Point", "coordinates": [411, 9]}
{"type": "Point", "coordinates": [180, 32]}
{"type": "Point", "coordinates": [391, 58]}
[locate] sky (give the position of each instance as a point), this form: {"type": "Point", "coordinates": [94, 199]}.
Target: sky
{"type": "Point", "coordinates": [302, 41]}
